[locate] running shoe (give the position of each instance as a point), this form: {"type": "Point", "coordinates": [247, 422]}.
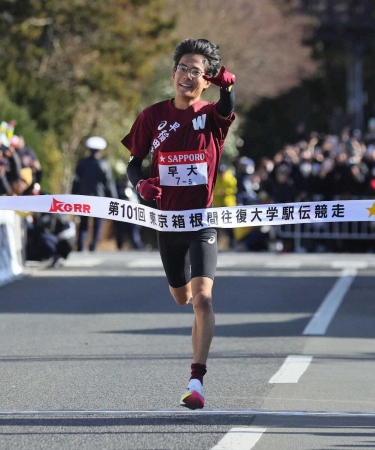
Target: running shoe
{"type": "Point", "coordinates": [193, 398]}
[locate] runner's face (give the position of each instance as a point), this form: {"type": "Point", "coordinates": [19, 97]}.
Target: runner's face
{"type": "Point", "coordinates": [190, 88]}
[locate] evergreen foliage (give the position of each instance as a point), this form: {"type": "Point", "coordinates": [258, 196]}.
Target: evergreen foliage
{"type": "Point", "coordinates": [44, 143]}
{"type": "Point", "coordinates": [65, 62]}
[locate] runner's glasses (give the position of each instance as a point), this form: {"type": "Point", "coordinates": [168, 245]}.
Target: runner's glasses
{"type": "Point", "coordinates": [194, 72]}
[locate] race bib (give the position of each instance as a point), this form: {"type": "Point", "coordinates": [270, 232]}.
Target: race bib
{"type": "Point", "coordinates": [187, 168]}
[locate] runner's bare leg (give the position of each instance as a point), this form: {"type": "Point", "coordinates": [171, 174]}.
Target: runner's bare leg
{"type": "Point", "coordinates": [204, 320]}
{"type": "Point", "coordinates": [181, 295]}
{"type": "Point", "coordinates": [200, 288]}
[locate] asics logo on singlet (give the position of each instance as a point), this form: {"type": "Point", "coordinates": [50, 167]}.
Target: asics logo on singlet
{"type": "Point", "coordinates": [199, 122]}
{"type": "Point", "coordinates": [211, 240]}
{"type": "Point", "coordinates": [162, 125]}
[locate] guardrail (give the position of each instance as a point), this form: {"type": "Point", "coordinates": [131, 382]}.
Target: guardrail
{"type": "Point", "coordinates": [11, 246]}
{"type": "Point", "coordinates": [326, 230]}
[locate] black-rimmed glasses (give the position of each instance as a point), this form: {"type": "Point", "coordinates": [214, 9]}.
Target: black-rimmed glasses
{"type": "Point", "coordinates": [194, 72]}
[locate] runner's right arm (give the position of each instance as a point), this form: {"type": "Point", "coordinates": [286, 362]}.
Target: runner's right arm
{"type": "Point", "coordinates": [134, 170]}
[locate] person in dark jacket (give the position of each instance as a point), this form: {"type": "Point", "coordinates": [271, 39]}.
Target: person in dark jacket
{"type": "Point", "coordinates": [123, 230]}
{"type": "Point", "coordinates": [93, 176]}
{"type": "Point", "coordinates": [49, 237]}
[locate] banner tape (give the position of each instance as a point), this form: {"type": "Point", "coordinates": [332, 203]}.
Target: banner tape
{"type": "Point", "coordinates": [190, 220]}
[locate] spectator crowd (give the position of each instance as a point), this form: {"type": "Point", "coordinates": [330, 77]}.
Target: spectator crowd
{"type": "Point", "coordinates": [51, 237]}
{"type": "Point", "coordinates": [314, 168]}
{"type": "Point", "coordinates": [320, 168]}
{"type": "Point", "coordinates": [47, 237]}
{"type": "Point", "coordinates": [317, 167]}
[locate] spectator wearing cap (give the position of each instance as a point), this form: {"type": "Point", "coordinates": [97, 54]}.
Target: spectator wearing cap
{"type": "Point", "coordinates": [93, 176]}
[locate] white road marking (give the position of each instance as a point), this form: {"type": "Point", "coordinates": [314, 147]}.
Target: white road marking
{"type": "Point", "coordinates": [146, 263]}
{"type": "Point", "coordinates": [292, 369]}
{"type": "Point", "coordinates": [184, 412]}
{"type": "Point", "coordinates": [283, 264]}
{"type": "Point", "coordinates": [66, 272]}
{"type": "Point", "coordinates": [92, 262]}
{"type": "Point", "coordinates": [240, 439]}
{"type": "Point", "coordinates": [225, 263]}
{"type": "Point", "coordinates": [349, 264]}
{"type": "Point", "coordinates": [322, 318]}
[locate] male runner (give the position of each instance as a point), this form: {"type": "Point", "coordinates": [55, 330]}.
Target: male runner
{"type": "Point", "coordinates": [190, 131]}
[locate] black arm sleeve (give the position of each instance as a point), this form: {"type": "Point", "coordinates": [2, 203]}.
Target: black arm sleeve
{"type": "Point", "coordinates": [134, 170]}
{"type": "Point", "coordinates": [225, 105]}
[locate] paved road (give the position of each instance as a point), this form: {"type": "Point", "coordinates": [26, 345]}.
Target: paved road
{"type": "Point", "coordinates": [95, 355]}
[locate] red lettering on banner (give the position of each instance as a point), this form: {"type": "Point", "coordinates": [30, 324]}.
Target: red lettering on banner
{"type": "Point", "coordinates": [61, 207]}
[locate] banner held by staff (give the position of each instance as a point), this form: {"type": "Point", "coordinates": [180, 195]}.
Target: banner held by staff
{"type": "Point", "coordinates": [190, 220]}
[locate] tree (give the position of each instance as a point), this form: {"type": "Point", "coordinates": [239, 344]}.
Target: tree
{"type": "Point", "coordinates": [64, 60]}
{"type": "Point", "coordinates": [260, 41]}
{"type": "Point", "coordinates": [44, 143]}
{"type": "Point", "coordinates": [88, 66]}
{"type": "Point", "coordinates": [108, 47]}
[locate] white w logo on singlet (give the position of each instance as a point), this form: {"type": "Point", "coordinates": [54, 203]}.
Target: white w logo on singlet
{"type": "Point", "coordinates": [199, 122]}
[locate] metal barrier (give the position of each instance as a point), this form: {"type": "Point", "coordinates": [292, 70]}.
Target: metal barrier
{"type": "Point", "coordinates": [325, 230]}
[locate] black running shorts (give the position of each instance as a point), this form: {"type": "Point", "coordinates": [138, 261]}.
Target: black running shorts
{"type": "Point", "coordinates": [188, 254]}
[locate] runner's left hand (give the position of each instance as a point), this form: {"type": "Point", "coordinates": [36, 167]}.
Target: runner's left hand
{"type": "Point", "coordinates": [223, 79]}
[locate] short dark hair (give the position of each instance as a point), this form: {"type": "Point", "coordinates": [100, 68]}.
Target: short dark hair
{"type": "Point", "coordinates": [199, 47]}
